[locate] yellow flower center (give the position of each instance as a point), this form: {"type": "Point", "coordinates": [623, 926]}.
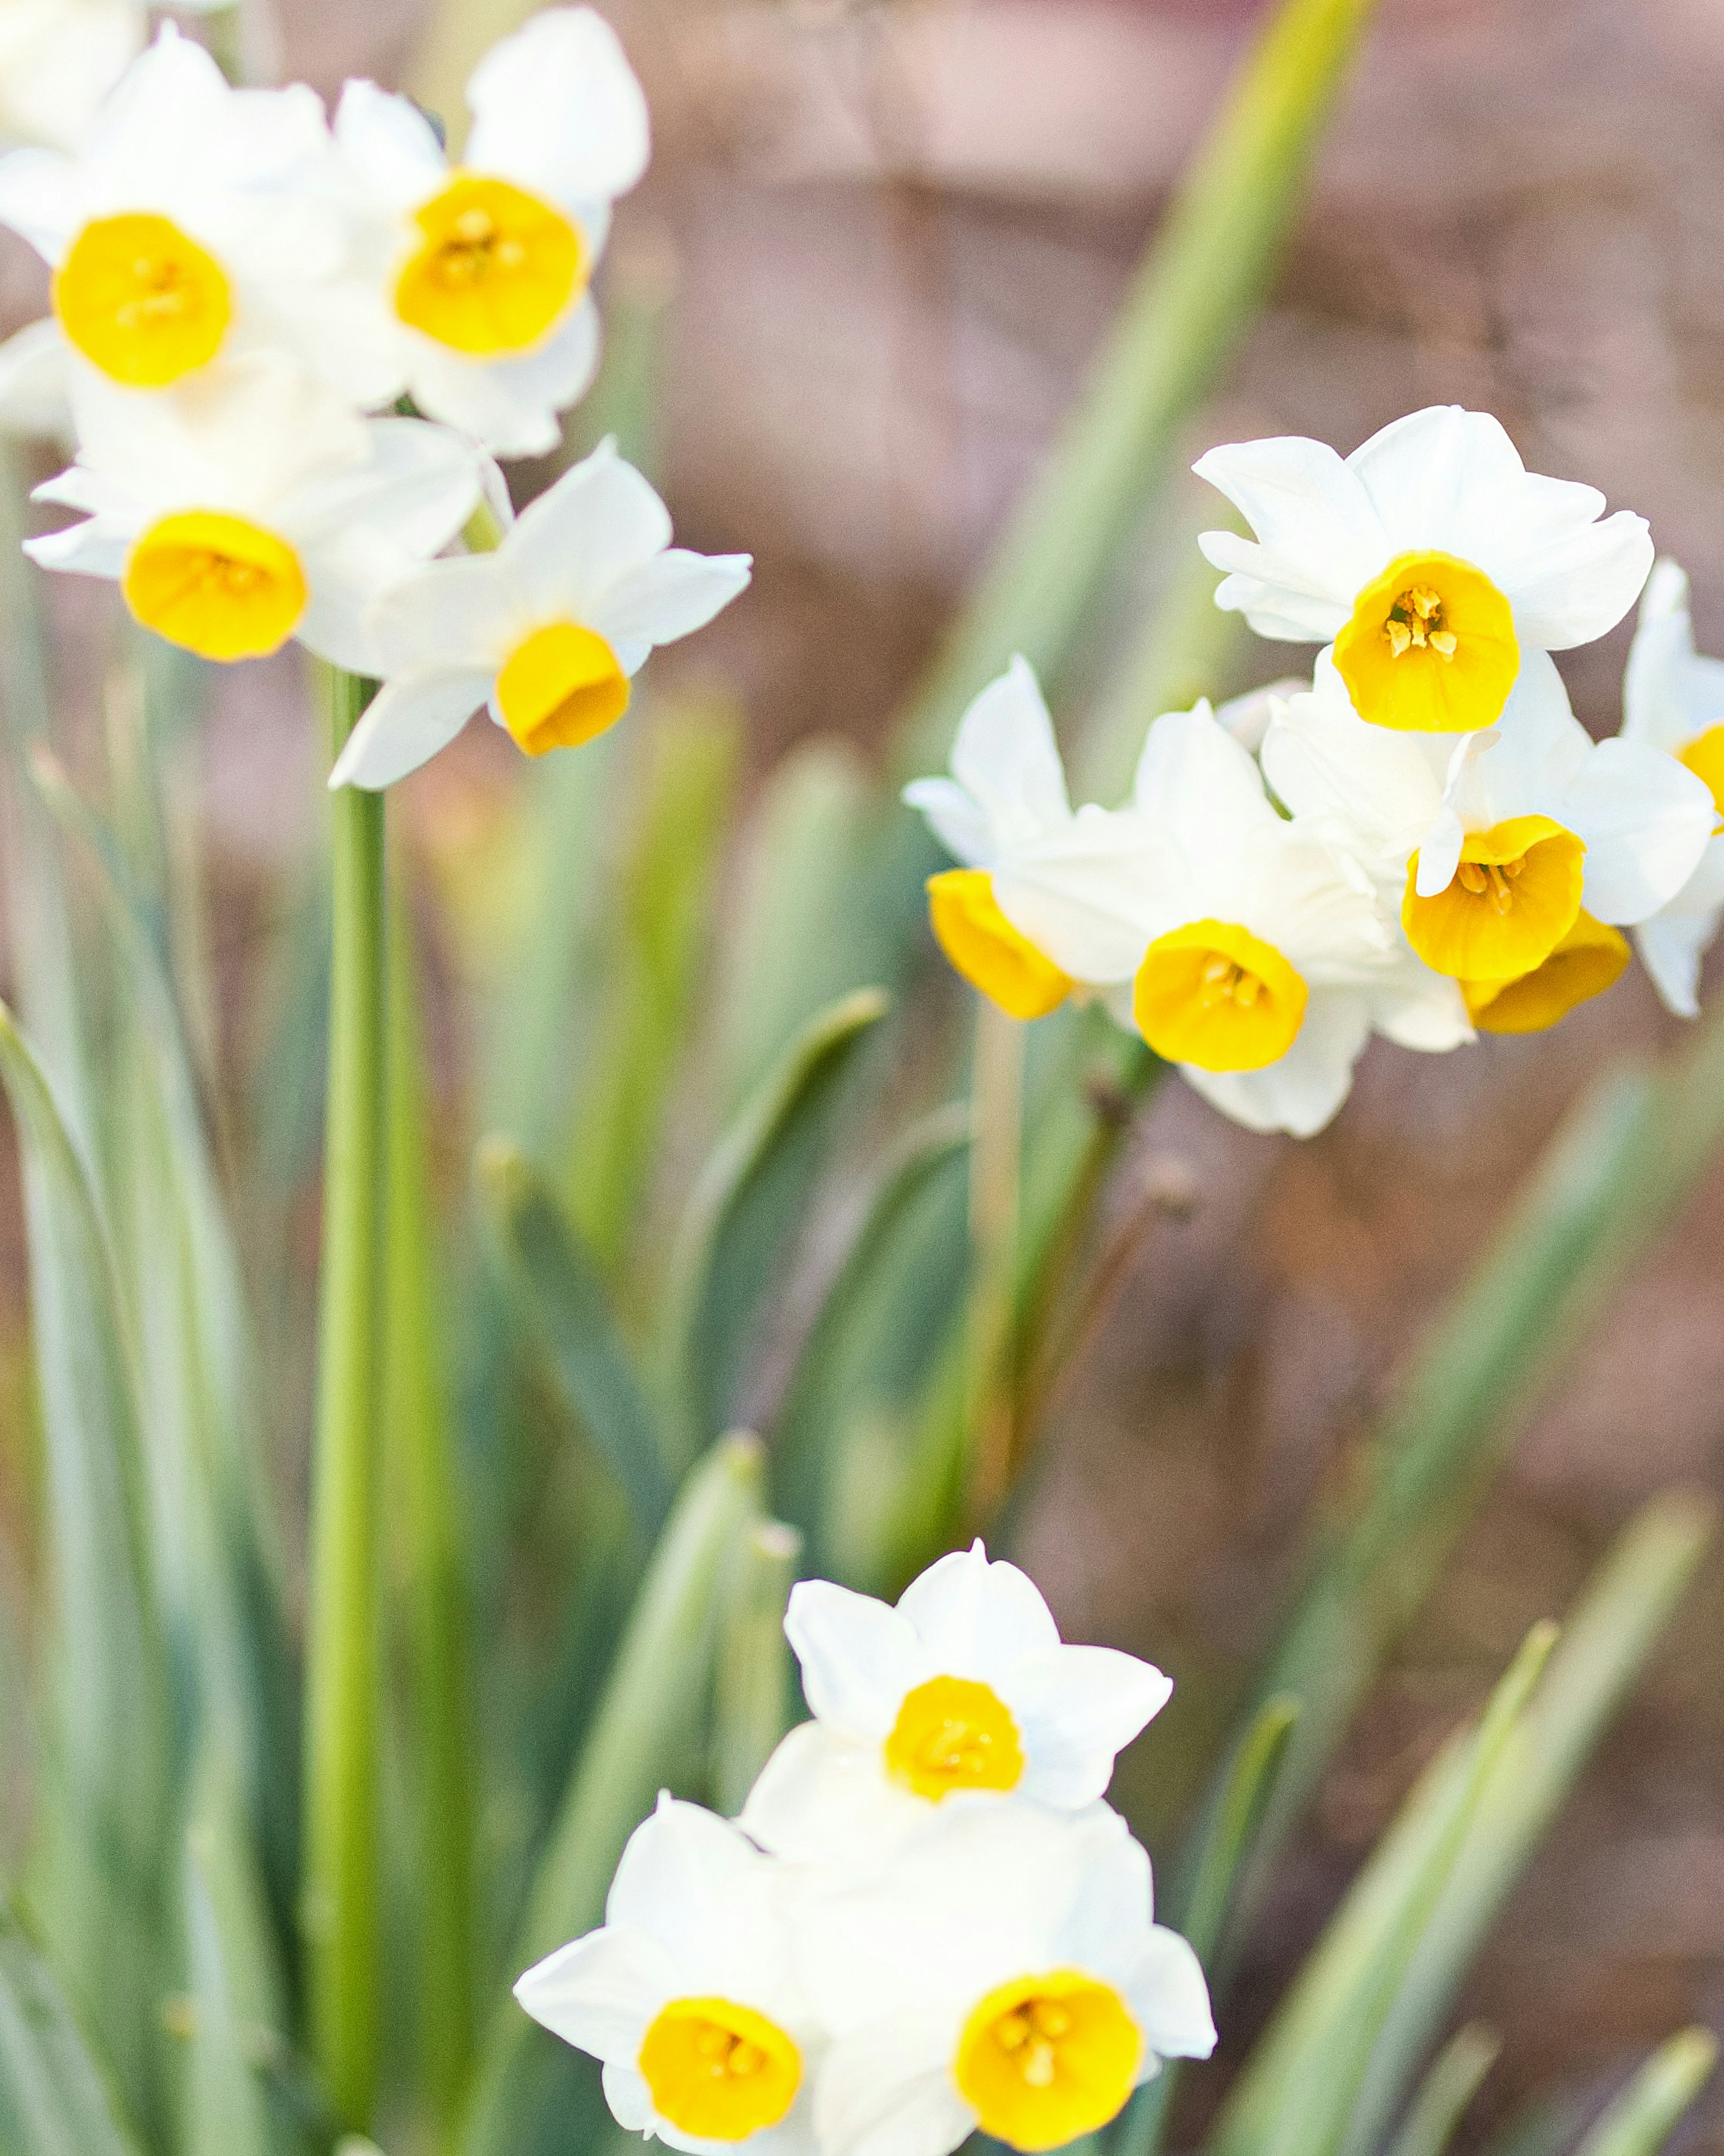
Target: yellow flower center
{"type": "Point", "coordinates": [987, 951]}
{"type": "Point", "coordinates": [953, 1734]}
{"type": "Point", "coordinates": [141, 301]}
{"type": "Point", "coordinates": [1045, 2058]}
{"type": "Point", "coordinates": [1430, 648]}
{"type": "Point", "coordinates": [1215, 995]}
{"type": "Point", "coordinates": [719, 2070]}
{"type": "Point", "coordinates": [1585, 963]}
{"type": "Point", "coordinates": [1704, 757]}
{"type": "Point", "coordinates": [496, 269]}
{"type": "Point", "coordinates": [1514, 897]}
{"type": "Point", "coordinates": [219, 585]}
{"type": "Point", "coordinates": [561, 687]}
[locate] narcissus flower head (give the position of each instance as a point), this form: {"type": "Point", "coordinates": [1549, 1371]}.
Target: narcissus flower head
{"type": "Point", "coordinates": [548, 630]}
{"type": "Point", "coordinates": [1673, 699]}
{"type": "Point", "coordinates": [1003, 1971]}
{"type": "Point", "coordinates": [961, 1690]}
{"type": "Point", "coordinates": [252, 505]}
{"type": "Point", "coordinates": [195, 224]}
{"type": "Point", "coordinates": [1431, 557]}
{"type": "Point", "coordinates": [690, 1993]}
{"type": "Point", "coordinates": [483, 268]}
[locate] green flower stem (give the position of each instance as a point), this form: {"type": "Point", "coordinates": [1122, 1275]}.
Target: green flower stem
{"type": "Point", "coordinates": [996, 1165]}
{"type": "Point", "coordinates": [343, 1677]}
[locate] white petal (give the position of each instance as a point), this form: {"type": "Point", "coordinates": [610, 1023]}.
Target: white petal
{"type": "Point", "coordinates": [1671, 946]}
{"type": "Point", "coordinates": [1319, 538]}
{"type": "Point", "coordinates": [33, 400]}
{"type": "Point", "coordinates": [825, 1799]}
{"type": "Point", "coordinates": [458, 613]}
{"type": "Point", "coordinates": [959, 820]}
{"type": "Point", "coordinates": [479, 397]}
{"type": "Point", "coordinates": [1418, 1008]}
{"type": "Point", "coordinates": [1005, 756]}
{"type": "Point", "coordinates": [1169, 1999]}
{"type": "Point", "coordinates": [1076, 1710]}
{"type": "Point", "coordinates": [419, 486]}
{"type": "Point", "coordinates": [1194, 774]}
{"type": "Point", "coordinates": [1304, 1088]}
{"type": "Point", "coordinates": [600, 521]}
{"type": "Point", "coordinates": [391, 144]}
{"type": "Point", "coordinates": [858, 1657]}
{"type": "Point", "coordinates": [978, 1617]}
{"type": "Point", "coordinates": [671, 596]}
{"type": "Point", "coordinates": [599, 1992]}
{"type": "Point", "coordinates": [1645, 819]}
{"type": "Point", "coordinates": [1662, 650]}
{"type": "Point", "coordinates": [405, 725]}
{"type": "Point", "coordinates": [93, 548]}
{"type": "Point", "coordinates": [42, 200]}
{"type": "Point", "coordinates": [888, 2091]}
{"type": "Point", "coordinates": [1576, 587]}
{"type": "Point", "coordinates": [557, 106]}
{"type": "Point", "coordinates": [1086, 895]}
{"type": "Point", "coordinates": [630, 2098]}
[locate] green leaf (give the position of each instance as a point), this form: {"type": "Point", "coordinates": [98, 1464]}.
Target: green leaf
{"type": "Point", "coordinates": [225, 2111]}
{"type": "Point", "coordinates": [1442, 2097]}
{"type": "Point", "coordinates": [754, 1693]}
{"type": "Point", "coordinates": [557, 1285]}
{"type": "Point", "coordinates": [745, 1209]}
{"type": "Point", "coordinates": [1639, 2120]}
{"type": "Point", "coordinates": [657, 1691]}
{"type": "Point", "coordinates": [55, 2097]}
{"type": "Point", "coordinates": [658, 924]}
{"type": "Point", "coordinates": [96, 1882]}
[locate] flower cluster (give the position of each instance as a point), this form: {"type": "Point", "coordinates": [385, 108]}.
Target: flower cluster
{"type": "Point", "coordinates": [926, 1920]}
{"type": "Point", "coordinates": [1421, 841]}
{"type": "Point", "coordinates": [288, 350]}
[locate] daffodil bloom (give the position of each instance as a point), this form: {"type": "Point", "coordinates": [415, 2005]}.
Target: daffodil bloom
{"type": "Point", "coordinates": [1003, 1971]}
{"type": "Point", "coordinates": [548, 630]}
{"type": "Point", "coordinates": [253, 505]}
{"type": "Point", "coordinates": [482, 269]}
{"type": "Point", "coordinates": [962, 1689]}
{"type": "Point", "coordinates": [1431, 557]}
{"type": "Point", "coordinates": [198, 221]}
{"type": "Point", "coordinates": [689, 1993]}
{"type": "Point", "coordinates": [1673, 699]}
{"type": "Point", "coordinates": [1004, 813]}
{"type": "Point", "coordinates": [1504, 840]}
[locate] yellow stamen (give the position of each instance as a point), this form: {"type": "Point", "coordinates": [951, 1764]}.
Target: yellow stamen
{"type": "Point", "coordinates": [953, 1734]}
{"type": "Point", "coordinates": [717, 2070]}
{"type": "Point", "coordinates": [984, 948]}
{"type": "Point", "coordinates": [1043, 2059]}
{"type": "Point", "coordinates": [1213, 994]}
{"type": "Point", "coordinates": [142, 300]}
{"type": "Point", "coordinates": [561, 687]}
{"type": "Point", "coordinates": [219, 585]}
{"type": "Point", "coordinates": [1431, 647]}
{"type": "Point", "coordinates": [497, 270]}
{"type": "Point", "coordinates": [1511, 901]}
{"type": "Point", "coordinates": [1586, 961]}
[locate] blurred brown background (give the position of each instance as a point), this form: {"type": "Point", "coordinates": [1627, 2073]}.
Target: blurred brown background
{"type": "Point", "coordinates": [895, 234]}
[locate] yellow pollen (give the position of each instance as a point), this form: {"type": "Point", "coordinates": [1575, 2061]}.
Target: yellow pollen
{"type": "Point", "coordinates": [1586, 961]}
{"type": "Point", "coordinates": [953, 1734]}
{"type": "Point", "coordinates": [1213, 994]}
{"type": "Point", "coordinates": [1430, 648]}
{"type": "Point", "coordinates": [561, 687]}
{"type": "Point", "coordinates": [1513, 897]}
{"type": "Point", "coordinates": [1043, 2059]}
{"type": "Point", "coordinates": [984, 947]}
{"type": "Point", "coordinates": [717, 2070]}
{"type": "Point", "coordinates": [142, 300]}
{"type": "Point", "coordinates": [496, 270]}
{"type": "Point", "coordinates": [218, 585]}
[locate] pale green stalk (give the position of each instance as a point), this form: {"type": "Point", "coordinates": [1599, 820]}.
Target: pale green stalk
{"type": "Point", "coordinates": [1639, 2120]}
{"type": "Point", "coordinates": [340, 1910]}
{"type": "Point", "coordinates": [995, 1162]}
{"type": "Point", "coordinates": [1442, 2097]}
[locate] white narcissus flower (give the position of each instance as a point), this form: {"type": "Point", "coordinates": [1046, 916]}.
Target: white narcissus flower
{"type": "Point", "coordinates": [1517, 847]}
{"type": "Point", "coordinates": [1431, 556]}
{"type": "Point", "coordinates": [1003, 1971]}
{"type": "Point", "coordinates": [482, 269]}
{"type": "Point", "coordinates": [963, 1689]}
{"type": "Point", "coordinates": [197, 221]}
{"type": "Point", "coordinates": [1673, 698]}
{"type": "Point", "coordinates": [252, 505]}
{"type": "Point", "coordinates": [548, 630]}
{"type": "Point", "coordinates": [1003, 812]}
{"type": "Point", "coordinates": [689, 1994]}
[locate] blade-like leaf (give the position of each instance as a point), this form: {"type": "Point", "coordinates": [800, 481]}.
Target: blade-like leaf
{"type": "Point", "coordinates": [745, 1209]}
{"type": "Point", "coordinates": [1639, 2120]}
{"type": "Point", "coordinates": [754, 1690]}
{"type": "Point", "coordinates": [225, 2112]}
{"type": "Point", "coordinates": [55, 2097]}
{"type": "Point", "coordinates": [1441, 2098]}
{"type": "Point", "coordinates": [557, 1287]}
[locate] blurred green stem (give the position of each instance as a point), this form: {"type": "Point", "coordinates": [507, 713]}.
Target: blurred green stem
{"type": "Point", "coordinates": [417, 1425]}
{"type": "Point", "coordinates": [996, 1160]}
{"type": "Point", "coordinates": [340, 1912]}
